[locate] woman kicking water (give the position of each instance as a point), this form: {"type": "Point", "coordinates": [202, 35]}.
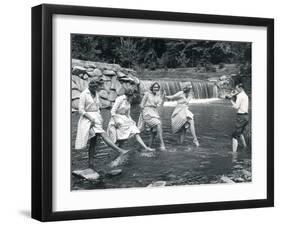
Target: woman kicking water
{"type": "Point", "coordinates": [90, 122]}
{"type": "Point", "coordinates": [182, 118]}
{"type": "Point", "coordinates": [149, 117]}
{"type": "Point", "coordinates": [121, 126]}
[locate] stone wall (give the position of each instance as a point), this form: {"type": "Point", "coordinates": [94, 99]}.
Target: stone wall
{"type": "Point", "coordinates": [116, 80]}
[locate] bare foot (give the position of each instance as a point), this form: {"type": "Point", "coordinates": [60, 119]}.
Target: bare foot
{"type": "Point", "coordinates": [150, 149]}
{"type": "Point", "coordinates": [196, 143]}
{"type": "Point", "coordinates": [162, 148]}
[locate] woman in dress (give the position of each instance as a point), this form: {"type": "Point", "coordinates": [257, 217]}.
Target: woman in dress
{"type": "Point", "coordinates": [91, 122]}
{"type": "Point", "coordinates": [149, 117]}
{"type": "Point", "coordinates": [121, 126]}
{"type": "Point", "coordinates": [182, 118]}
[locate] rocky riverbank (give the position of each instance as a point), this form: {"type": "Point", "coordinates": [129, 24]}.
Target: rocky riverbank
{"type": "Point", "coordinates": [116, 79]}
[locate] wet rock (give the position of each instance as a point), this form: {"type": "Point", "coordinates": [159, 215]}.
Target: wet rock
{"type": "Point", "coordinates": [88, 174]}
{"type": "Point", "coordinates": [157, 184]}
{"type": "Point", "coordinates": [239, 179]}
{"type": "Point", "coordinates": [226, 179]}
{"type": "Point", "coordinates": [247, 173]}
{"type": "Point", "coordinates": [114, 172]}
{"type": "Point", "coordinates": [238, 167]}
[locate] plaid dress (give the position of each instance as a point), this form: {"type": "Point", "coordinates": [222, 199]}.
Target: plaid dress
{"type": "Point", "coordinates": [181, 114]}
{"type": "Point", "coordinates": [149, 117]}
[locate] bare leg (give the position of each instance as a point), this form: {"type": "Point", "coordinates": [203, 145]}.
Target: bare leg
{"type": "Point", "coordinates": [234, 145]}
{"type": "Point", "coordinates": [160, 134]}
{"type": "Point", "coordinates": [108, 141]}
{"type": "Point", "coordinates": [151, 139]}
{"type": "Point", "coordinates": [91, 151]}
{"type": "Point", "coordinates": [242, 138]}
{"type": "Point", "coordinates": [192, 130]}
{"type": "Point", "coordinates": [138, 138]}
{"type": "Point", "coordinates": [182, 135]}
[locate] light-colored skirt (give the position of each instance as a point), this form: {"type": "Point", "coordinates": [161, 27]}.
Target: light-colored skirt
{"type": "Point", "coordinates": [86, 130]}
{"type": "Point", "coordinates": [180, 117]}
{"type": "Point", "coordinates": [149, 118]}
{"type": "Point", "coordinates": [126, 130]}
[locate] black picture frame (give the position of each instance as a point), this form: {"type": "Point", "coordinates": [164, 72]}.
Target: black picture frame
{"type": "Point", "coordinates": [42, 107]}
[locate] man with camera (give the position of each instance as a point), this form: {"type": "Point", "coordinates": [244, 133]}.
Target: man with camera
{"type": "Point", "coordinates": [242, 119]}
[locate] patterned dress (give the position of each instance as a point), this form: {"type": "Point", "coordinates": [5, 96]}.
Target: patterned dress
{"type": "Point", "coordinates": [181, 114]}
{"type": "Point", "coordinates": [120, 114]}
{"type": "Point", "coordinates": [86, 129]}
{"type": "Point", "coordinates": [149, 117]}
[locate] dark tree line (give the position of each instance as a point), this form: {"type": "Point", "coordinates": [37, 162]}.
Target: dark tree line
{"type": "Point", "coordinates": [155, 53]}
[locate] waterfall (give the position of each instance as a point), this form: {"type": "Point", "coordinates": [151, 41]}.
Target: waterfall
{"type": "Point", "coordinates": [201, 89]}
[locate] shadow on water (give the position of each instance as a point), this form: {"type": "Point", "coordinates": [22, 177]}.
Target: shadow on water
{"type": "Point", "coordinates": [181, 164]}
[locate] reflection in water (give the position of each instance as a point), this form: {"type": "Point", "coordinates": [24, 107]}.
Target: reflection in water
{"type": "Point", "coordinates": [182, 164]}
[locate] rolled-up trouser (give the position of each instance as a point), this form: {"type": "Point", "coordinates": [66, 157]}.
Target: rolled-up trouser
{"type": "Point", "coordinates": [241, 122]}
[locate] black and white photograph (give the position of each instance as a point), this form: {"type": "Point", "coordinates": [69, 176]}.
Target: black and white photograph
{"type": "Point", "coordinates": [155, 112]}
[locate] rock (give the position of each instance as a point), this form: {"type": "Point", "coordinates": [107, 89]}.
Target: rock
{"type": "Point", "coordinates": [106, 78]}
{"type": "Point", "coordinates": [90, 65]}
{"type": "Point", "coordinates": [73, 85]}
{"type": "Point", "coordinates": [114, 172]}
{"type": "Point", "coordinates": [157, 184]}
{"type": "Point", "coordinates": [121, 74]}
{"type": "Point", "coordinates": [109, 73]}
{"type": "Point", "coordinates": [96, 73]}
{"type": "Point", "coordinates": [239, 179]}
{"type": "Point", "coordinates": [88, 174]}
{"type": "Point", "coordinates": [116, 86]}
{"type": "Point", "coordinates": [237, 167]}
{"type": "Point", "coordinates": [107, 85]}
{"type": "Point", "coordinates": [80, 83]}
{"type": "Point", "coordinates": [247, 173]}
{"type": "Point", "coordinates": [120, 160]}
{"type": "Point", "coordinates": [133, 79]}
{"type": "Point", "coordinates": [103, 94]}
{"type": "Point", "coordinates": [75, 104]}
{"type": "Point", "coordinates": [85, 76]}
{"type": "Point", "coordinates": [75, 94]}
{"type": "Point", "coordinates": [112, 95]}
{"type": "Point", "coordinates": [77, 70]}
{"type": "Point", "coordinates": [227, 179]}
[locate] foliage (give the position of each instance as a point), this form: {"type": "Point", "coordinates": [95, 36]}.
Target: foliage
{"type": "Point", "coordinates": [154, 53]}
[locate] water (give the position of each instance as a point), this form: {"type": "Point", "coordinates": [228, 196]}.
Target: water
{"type": "Point", "coordinates": [201, 89]}
{"type": "Point", "coordinates": [182, 164]}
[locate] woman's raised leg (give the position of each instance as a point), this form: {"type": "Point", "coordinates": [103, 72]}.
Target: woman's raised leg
{"type": "Point", "coordinates": [109, 142]}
